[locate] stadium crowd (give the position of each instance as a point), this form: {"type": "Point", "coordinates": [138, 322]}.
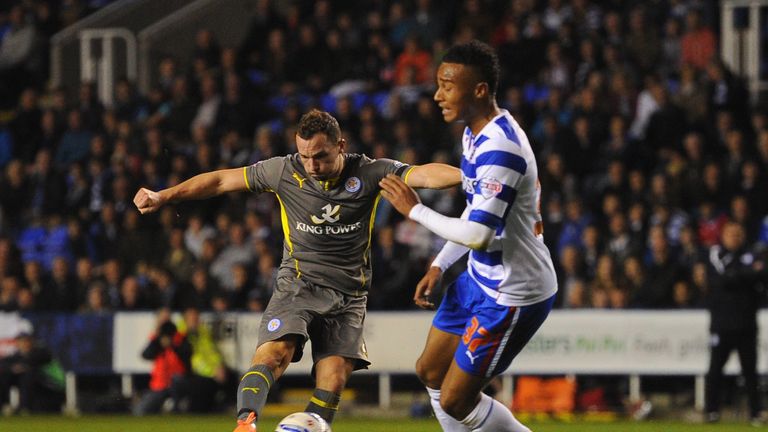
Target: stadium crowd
{"type": "Point", "coordinates": [647, 145]}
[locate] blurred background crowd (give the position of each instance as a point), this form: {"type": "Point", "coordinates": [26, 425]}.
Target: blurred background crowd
{"type": "Point", "coordinates": [646, 145]}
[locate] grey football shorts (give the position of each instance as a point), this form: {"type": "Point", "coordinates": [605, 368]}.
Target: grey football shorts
{"type": "Point", "coordinates": [333, 321]}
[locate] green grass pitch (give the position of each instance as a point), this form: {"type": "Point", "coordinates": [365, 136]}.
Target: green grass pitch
{"type": "Point", "coordinates": [222, 423]}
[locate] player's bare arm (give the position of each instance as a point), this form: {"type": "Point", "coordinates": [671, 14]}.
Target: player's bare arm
{"type": "Point", "coordinates": [198, 187]}
{"type": "Point", "coordinates": [426, 286]}
{"type": "Point", "coordinates": [433, 176]}
{"type": "Point", "coordinates": [405, 200]}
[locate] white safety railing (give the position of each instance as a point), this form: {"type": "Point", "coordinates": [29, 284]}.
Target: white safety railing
{"type": "Point", "coordinates": [740, 40]}
{"type": "Point", "coordinates": [127, 15]}
{"type": "Point", "coordinates": [101, 69]}
{"type": "Point", "coordinates": [173, 35]}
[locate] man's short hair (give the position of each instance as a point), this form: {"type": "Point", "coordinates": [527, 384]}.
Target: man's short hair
{"type": "Point", "coordinates": [481, 57]}
{"type": "Point", "coordinates": [315, 122]}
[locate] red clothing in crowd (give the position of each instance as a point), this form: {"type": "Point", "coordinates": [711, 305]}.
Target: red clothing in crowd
{"type": "Point", "coordinates": [167, 362]}
{"type": "Point", "coordinates": [698, 47]}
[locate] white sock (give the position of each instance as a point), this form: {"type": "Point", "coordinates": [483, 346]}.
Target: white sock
{"type": "Point", "coordinates": [448, 423]}
{"type": "Point", "coordinates": [491, 416]}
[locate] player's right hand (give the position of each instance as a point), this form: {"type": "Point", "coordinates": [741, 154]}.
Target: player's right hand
{"type": "Point", "coordinates": [425, 287]}
{"type": "Point", "coordinates": [147, 201]}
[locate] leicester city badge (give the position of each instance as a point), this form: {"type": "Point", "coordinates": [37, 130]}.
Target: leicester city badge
{"type": "Point", "coordinates": [274, 324]}
{"type": "Point", "coordinates": [353, 184]}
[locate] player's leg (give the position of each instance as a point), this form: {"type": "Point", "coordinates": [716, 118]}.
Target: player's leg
{"type": "Point", "coordinates": [338, 349]}
{"type": "Point", "coordinates": [493, 337]}
{"type": "Point", "coordinates": [268, 364]}
{"type": "Point", "coordinates": [442, 340]}
{"type": "Point", "coordinates": [331, 375]}
{"type": "Point", "coordinates": [282, 334]}
{"type": "Point", "coordinates": [436, 358]}
{"type": "Point", "coordinates": [462, 398]}
{"type": "Point", "coordinates": [431, 368]}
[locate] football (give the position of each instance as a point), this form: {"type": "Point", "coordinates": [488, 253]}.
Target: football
{"type": "Point", "coordinates": [303, 422]}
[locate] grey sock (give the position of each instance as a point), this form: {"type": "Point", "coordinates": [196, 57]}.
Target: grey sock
{"type": "Point", "coordinates": [324, 403]}
{"type": "Point", "coordinates": [253, 390]}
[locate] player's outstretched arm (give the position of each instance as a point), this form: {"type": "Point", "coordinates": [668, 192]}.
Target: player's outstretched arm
{"type": "Point", "coordinates": [433, 176]}
{"type": "Point", "coordinates": [464, 232]}
{"type": "Point", "coordinates": [198, 187]}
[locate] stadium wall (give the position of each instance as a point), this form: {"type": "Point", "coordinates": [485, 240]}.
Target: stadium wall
{"type": "Point", "coordinates": [570, 342]}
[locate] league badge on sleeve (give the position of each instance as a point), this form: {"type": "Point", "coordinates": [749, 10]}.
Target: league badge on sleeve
{"type": "Point", "coordinates": [353, 184]}
{"type": "Point", "coordinates": [489, 187]}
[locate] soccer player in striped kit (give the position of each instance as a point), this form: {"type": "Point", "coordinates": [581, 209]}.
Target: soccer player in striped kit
{"type": "Point", "coordinates": [493, 309]}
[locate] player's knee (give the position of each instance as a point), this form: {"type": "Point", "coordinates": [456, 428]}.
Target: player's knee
{"type": "Point", "coordinates": [455, 405]}
{"type": "Point", "coordinates": [274, 356]}
{"type": "Point", "coordinates": [428, 376]}
{"type": "Point", "coordinates": [333, 381]}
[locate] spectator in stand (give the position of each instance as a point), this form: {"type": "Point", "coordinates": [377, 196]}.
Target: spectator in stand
{"type": "Point", "coordinates": [35, 372]}
{"type": "Point", "coordinates": [21, 56]}
{"type": "Point", "coordinates": [208, 379]}
{"type": "Point", "coordinates": [698, 43]}
{"type": "Point", "coordinates": [75, 142]}
{"type": "Point", "coordinates": [178, 259]}
{"type": "Point", "coordinates": [413, 58]}
{"type": "Point", "coordinates": [170, 353]}
{"type": "Point", "coordinates": [14, 196]}
{"type": "Point", "coordinates": [95, 299]}
{"type": "Point", "coordinates": [662, 272]}
{"type": "Point", "coordinates": [25, 127]}
{"type": "Point", "coordinates": [9, 291]}
{"type": "Point", "coordinates": [132, 297]}
{"type": "Point", "coordinates": [237, 251]}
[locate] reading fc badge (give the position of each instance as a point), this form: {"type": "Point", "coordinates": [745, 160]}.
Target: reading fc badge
{"type": "Point", "coordinates": [353, 184]}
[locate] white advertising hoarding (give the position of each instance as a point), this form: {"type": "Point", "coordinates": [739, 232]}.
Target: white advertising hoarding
{"type": "Point", "coordinates": [580, 342]}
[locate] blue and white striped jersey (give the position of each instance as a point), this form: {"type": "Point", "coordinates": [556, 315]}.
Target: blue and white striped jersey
{"type": "Point", "coordinates": [500, 180]}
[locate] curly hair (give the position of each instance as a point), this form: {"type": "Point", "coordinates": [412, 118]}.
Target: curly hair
{"type": "Point", "coordinates": [315, 122]}
{"type": "Point", "coordinates": [479, 56]}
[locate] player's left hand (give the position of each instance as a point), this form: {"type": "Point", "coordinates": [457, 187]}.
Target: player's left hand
{"type": "Point", "coordinates": [402, 196]}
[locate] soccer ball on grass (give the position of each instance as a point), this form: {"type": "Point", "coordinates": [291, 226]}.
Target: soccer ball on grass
{"type": "Point", "coordinates": [303, 422]}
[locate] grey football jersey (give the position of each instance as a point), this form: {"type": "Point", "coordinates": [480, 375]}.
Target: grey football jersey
{"type": "Point", "coordinates": [327, 225]}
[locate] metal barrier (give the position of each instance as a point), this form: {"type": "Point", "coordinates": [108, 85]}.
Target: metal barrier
{"type": "Point", "coordinates": [744, 31]}
{"type": "Point", "coordinates": [173, 35]}
{"type": "Point", "coordinates": [130, 15]}
{"type": "Point", "coordinates": [101, 69]}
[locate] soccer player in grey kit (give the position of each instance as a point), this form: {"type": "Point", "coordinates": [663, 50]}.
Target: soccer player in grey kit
{"type": "Point", "coordinates": [328, 201]}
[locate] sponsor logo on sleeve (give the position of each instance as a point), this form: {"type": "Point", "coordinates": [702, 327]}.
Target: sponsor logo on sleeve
{"type": "Point", "coordinates": [489, 187]}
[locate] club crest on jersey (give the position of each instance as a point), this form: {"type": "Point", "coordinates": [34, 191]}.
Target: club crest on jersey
{"type": "Point", "coordinates": [488, 187]}
{"type": "Point", "coordinates": [274, 324]}
{"type": "Point", "coordinates": [353, 184]}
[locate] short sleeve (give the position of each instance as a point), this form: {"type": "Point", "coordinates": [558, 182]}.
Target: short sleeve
{"type": "Point", "coordinates": [499, 174]}
{"type": "Point", "coordinates": [390, 166]}
{"type": "Point", "coordinates": [264, 175]}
